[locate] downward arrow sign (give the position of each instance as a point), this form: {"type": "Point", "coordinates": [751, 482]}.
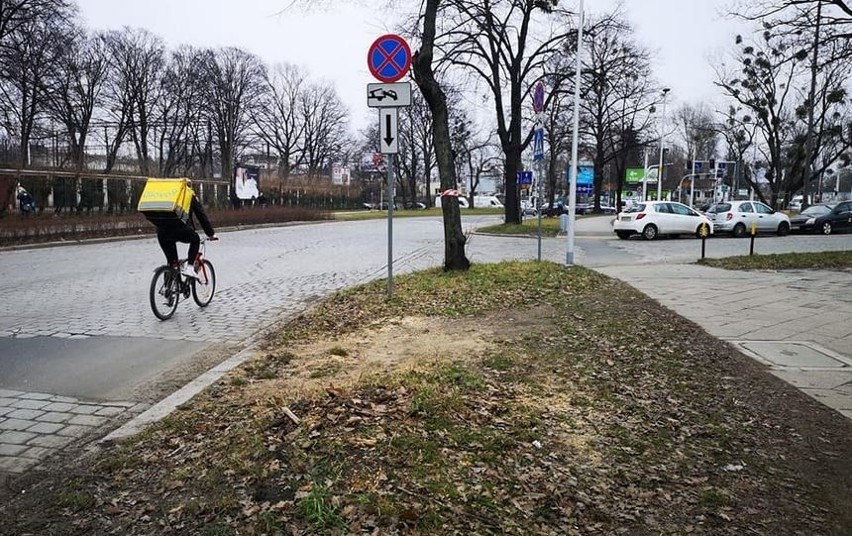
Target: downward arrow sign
{"type": "Point", "coordinates": [389, 141]}
{"type": "Point", "coordinates": [388, 136]}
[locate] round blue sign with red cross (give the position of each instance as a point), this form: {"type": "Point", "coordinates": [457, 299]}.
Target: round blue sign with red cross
{"type": "Point", "coordinates": [389, 58]}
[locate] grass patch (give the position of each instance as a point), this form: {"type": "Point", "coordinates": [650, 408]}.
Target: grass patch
{"type": "Point", "coordinates": [317, 508]}
{"type": "Point", "coordinates": [567, 400]}
{"type": "Point", "coordinates": [326, 370]}
{"type": "Point", "coordinates": [529, 227]}
{"type": "Point", "coordinates": [75, 497]}
{"type": "Point", "coordinates": [824, 260]}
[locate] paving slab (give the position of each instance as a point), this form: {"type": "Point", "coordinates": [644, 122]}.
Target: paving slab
{"type": "Point", "coordinates": [795, 322]}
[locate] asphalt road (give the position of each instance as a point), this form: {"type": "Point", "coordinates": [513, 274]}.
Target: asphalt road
{"type": "Point", "coordinates": [76, 320]}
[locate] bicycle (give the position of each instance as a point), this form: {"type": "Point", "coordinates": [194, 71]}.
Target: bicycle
{"type": "Point", "coordinates": [167, 286]}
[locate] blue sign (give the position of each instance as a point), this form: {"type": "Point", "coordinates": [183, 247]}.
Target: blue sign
{"type": "Point", "coordinates": [525, 178]}
{"type": "Point", "coordinates": [538, 144]}
{"type": "Point", "coordinates": [585, 175]}
{"type": "Point", "coordinates": [585, 179]}
{"type": "Point", "coordinates": [389, 58]}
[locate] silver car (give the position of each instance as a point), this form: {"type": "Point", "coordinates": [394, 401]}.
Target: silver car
{"type": "Point", "coordinates": [738, 218]}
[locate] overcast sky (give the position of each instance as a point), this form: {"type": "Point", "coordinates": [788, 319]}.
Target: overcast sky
{"type": "Point", "coordinates": [684, 35]}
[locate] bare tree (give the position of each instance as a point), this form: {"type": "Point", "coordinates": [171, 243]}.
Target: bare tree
{"type": "Point", "coordinates": [618, 88]}
{"type": "Point", "coordinates": [25, 61]}
{"type": "Point", "coordinates": [184, 140]}
{"type": "Point", "coordinates": [770, 92]}
{"type": "Point", "coordinates": [436, 98]}
{"type": "Point", "coordinates": [137, 59]}
{"type": "Point", "coordinates": [234, 85]}
{"type": "Point", "coordinates": [16, 14]}
{"type": "Point", "coordinates": [278, 120]}
{"type": "Point", "coordinates": [324, 118]}
{"type": "Point", "coordinates": [797, 18]}
{"type": "Point", "coordinates": [74, 89]}
{"type": "Point", "coordinates": [416, 159]}
{"type": "Point", "coordinates": [699, 130]}
{"type": "Point", "coordinates": [764, 89]}
{"type": "Point", "coordinates": [498, 41]}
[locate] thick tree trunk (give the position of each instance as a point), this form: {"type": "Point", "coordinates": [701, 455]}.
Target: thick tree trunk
{"type": "Point", "coordinates": [513, 165]}
{"type": "Point", "coordinates": [424, 76]}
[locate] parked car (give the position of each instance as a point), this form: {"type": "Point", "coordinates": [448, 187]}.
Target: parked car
{"type": "Point", "coordinates": [796, 202]}
{"type": "Point", "coordinates": [417, 205]}
{"type": "Point", "coordinates": [824, 218]}
{"type": "Point", "coordinates": [737, 217]}
{"type": "Point", "coordinates": [651, 219]}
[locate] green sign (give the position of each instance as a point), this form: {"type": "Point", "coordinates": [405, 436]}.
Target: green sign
{"type": "Point", "coordinates": [634, 175]}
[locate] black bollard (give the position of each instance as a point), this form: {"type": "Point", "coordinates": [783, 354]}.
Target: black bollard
{"type": "Point", "coordinates": [753, 233]}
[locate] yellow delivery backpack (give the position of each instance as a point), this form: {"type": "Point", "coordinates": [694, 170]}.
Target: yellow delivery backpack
{"type": "Point", "coordinates": [166, 201]}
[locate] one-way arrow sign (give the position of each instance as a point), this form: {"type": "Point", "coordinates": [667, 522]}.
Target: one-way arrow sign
{"type": "Point", "coordinates": [389, 140]}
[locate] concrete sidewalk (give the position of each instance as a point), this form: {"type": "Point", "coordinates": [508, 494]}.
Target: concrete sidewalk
{"type": "Point", "coordinates": [798, 323]}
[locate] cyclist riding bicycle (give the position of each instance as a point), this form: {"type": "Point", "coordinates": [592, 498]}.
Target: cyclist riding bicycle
{"type": "Point", "coordinates": [169, 233]}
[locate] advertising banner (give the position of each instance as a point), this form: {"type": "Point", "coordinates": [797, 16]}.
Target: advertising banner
{"type": "Point", "coordinates": [247, 182]}
{"type": "Point", "coordinates": [339, 174]}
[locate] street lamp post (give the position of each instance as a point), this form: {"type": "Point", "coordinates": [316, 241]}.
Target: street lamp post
{"type": "Point", "coordinates": [572, 187]}
{"type": "Point", "coordinates": [662, 140]}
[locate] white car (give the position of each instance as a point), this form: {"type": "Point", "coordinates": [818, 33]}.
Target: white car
{"type": "Point", "coordinates": [650, 219]}
{"type": "Point", "coordinates": [737, 218]}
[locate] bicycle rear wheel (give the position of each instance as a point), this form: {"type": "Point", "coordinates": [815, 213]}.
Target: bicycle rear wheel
{"type": "Point", "coordinates": [165, 292]}
{"type": "Point", "coordinates": [204, 285]}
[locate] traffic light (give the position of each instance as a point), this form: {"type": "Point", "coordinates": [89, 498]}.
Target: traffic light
{"type": "Point", "coordinates": [712, 163]}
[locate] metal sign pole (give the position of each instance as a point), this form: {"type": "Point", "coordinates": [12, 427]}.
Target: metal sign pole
{"type": "Point", "coordinates": [540, 193]}
{"type": "Point", "coordinates": [390, 224]}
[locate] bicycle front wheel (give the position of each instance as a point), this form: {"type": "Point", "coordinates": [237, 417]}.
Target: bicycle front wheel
{"type": "Point", "coordinates": [165, 292]}
{"type": "Point", "coordinates": [204, 285]}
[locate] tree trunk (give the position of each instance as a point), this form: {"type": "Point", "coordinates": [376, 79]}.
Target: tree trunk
{"type": "Point", "coordinates": [424, 76]}
{"type": "Point", "coordinates": [513, 165]}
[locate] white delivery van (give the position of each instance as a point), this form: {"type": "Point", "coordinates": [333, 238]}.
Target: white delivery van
{"type": "Point", "coordinates": [486, 201]}
{"type": "Point", "coordinates": [462, 202]}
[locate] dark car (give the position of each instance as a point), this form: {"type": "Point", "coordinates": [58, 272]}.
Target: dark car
{"type": "Point", "coordinates": [559, 208]}
{"type": "Point", "coordinates": [823, 218]}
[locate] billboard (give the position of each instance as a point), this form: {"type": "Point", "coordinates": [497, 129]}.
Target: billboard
{"type": "Point", "coordinates": [247, 182]}
{"type": "Point", "coordinates": [634, 175]}
{"type": "Point", "coordinates": [372, 163]}
{"type": "Point", "coordinates": [339, 174]}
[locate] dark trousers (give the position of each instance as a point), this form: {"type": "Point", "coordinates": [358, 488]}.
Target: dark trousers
{"type": "Point", "coordinates": [169, 238]}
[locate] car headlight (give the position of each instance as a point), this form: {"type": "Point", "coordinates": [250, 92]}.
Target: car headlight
{"type": "Point", "coordinates": [810, 221]}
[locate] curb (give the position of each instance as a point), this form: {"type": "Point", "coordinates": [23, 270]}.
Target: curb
{"type": "Point", "coordinates": [183, 395]}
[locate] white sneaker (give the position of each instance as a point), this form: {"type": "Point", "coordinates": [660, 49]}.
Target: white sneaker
{"type": "Point", "coordinates": [187, 270]}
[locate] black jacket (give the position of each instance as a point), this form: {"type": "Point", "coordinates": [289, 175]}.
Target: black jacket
{"type": "Point", "coordinates": [195, 210]}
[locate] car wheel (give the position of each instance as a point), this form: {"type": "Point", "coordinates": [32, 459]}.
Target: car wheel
{"type": "Point", "coordinates": [783, 229]}
{"type": "Point", "coordinates": [826, 228]}
{"type": "Point", "coordinates": [624, 235]}
{"type": "Point", "coordinates": [650, 232]}
{"type": "Point", "coordinates": [739, 230]}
